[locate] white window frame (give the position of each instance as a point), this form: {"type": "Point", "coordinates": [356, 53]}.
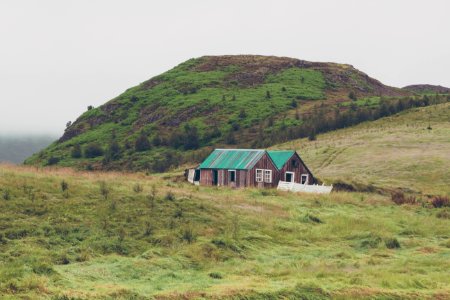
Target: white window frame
{"type": "Point", "coordinates": [269, 173]}
{"type": "Point", "coordinates": [307, 178]}
{"type": "Point", "coordinates": [229, 175]}
{"type": "Point", "coordinates": [293, 176]}
{"type": "Point", "coordinates": [259, 178]}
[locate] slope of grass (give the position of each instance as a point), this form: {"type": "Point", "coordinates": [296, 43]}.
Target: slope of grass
{"type": "Point", "coordinates": [198, 242]}
{"type": "Point", "coordinates": [409, 151]}
{"type": "Point", "coordinates": [220, 96]}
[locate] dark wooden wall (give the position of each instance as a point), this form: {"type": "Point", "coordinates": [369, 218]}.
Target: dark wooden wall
{"type": "Point", "coordinates": [223, 178]}
{"type": "Point", "coordinates": [299, 170]}
{"type": "Point", "coordinates": [264, 163]}
{"type": "Point", "coordinates": [247, 178]}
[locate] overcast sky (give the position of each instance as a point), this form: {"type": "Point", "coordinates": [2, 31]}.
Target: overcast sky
{"type": "Point", "coordinates": [59, 56]}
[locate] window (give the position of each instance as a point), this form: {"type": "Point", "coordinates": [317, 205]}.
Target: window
{"type": "Point", "coordinates": [304, 179]}
{"type": "Point", "coordinates": [232, 175]}
{"type": "Point", "coordinates": [268, 176]}
{"type": "Point", "coordinates": [289, 176]}
{"type": "Point", "coordinates": [294, 163]}
{"type": "Point", "coordinates": [259, 175]}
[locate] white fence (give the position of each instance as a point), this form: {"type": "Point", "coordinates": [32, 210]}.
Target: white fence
{"type": "Point", "coordinates": [304, 188]}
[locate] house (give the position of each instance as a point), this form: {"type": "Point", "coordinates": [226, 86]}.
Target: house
{"type": "Point", "coordinates": [251, 168]}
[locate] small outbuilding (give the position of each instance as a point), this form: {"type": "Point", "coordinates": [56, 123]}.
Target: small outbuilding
{"type": "Point", "coordinates": [251, 168]}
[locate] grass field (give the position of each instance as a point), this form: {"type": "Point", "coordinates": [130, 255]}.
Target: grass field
{"type": "Point", "coordinates": [80, 235]}
{"type": "Point", "coordinates": [398, 152]}
{"type": "Point", "coordinates": [109, 236]}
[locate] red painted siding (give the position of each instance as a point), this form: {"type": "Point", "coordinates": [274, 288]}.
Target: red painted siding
{"type": "Point", "coordinates": [247, 178]}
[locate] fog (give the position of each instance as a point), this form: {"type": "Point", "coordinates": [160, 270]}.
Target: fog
{"type": "Point", "coordinates": [57, 57]}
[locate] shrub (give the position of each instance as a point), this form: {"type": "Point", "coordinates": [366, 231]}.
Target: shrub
{"type": "Point", "coordinates": [64, 186]}
{"type": "Point", "coordinates": [142, 143]}
{"type": "Point", "coordinates": [93, 150]}
{"type": "Point", "coordinates": [392, 243]}
{"type": "Point", "coordinates": [43, 269]}
{"type": "Point", "coordinates": [311, 218]}
{"type": "Point", "coordinates": [76, 151]}
{"type": "Point", "coordinates": [63, 259]}
{"type": "Point", "coordinates": [52, 161]}
{"type": "Point", "coordinates": [352, 96]}
{"type": "Point", "coordinates": [138, 188]}
{"type": "Point", "coordinates": [188, 235]}
{"type": "Point", "coordinates": [114, 151]}
{"type": "Point", "coordinates": [242, 114]}
{"type": "Point", "coordinates": [440, 201]}
{"type": "Point", "coordinates": [6, 194]}
{"type": "Point", "coordinates": [230, 139]}
{"type": "Point", "coordinates": [312, 135]}
{"type": "Point", "coordinates": [178, 213]}
{"type": "Point", "coordinates": [148, 229]}
{"type": "Point", "coordinates": [104, 190]}
{"type": "Point", "coordinates": [399, 198]}
{"type": "Point", "coordinates": [169, 196]}
{"type": "Point", "coordinates": [371, 242]}
{"type": "Point", "coordinates": [152, 196]}
{"type": "Point", "coordinates": [215, 275]}
{"type": "Point", "coordinates": [443, 214]}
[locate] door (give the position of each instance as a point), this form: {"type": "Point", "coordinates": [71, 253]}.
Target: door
{"type": "Point", "coordinates": [215, 177]}
{"type": "Point", "coordinates": [289, 176]}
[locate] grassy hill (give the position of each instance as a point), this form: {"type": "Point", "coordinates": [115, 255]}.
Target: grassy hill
{"type": "Point", "coordinates": [244, 100]}
{"type": "Point", "coordinates": [75, 235]}
{"type": "Point", "coordinates": [408, 151]}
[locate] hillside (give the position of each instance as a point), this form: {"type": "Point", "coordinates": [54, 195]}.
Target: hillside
{"type": "Point", "coordinates": [16, 149]}
{"type": "Point", "coordinates": [425, 89]}
{"type": "Point", "coordinates": [113, 236]}
{"type": "Point", "coordinates": [243, 100]}
{"type": "Point", "coordinates": [408, 151]}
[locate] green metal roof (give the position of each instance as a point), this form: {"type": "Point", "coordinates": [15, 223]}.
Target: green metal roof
{"type": "Point", "coordinates": [280, 157]}
{"type": "Point", "coordinates": [243, 159]}
{"type": "Point", "coordinates": [239, 159]}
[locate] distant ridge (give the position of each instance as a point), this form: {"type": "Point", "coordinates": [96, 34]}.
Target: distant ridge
{"type": "Point", "coordinates": [427, 89]}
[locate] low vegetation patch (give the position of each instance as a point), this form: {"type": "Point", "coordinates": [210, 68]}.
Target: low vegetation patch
{"type": "Point", "coordinates": [206, 242]}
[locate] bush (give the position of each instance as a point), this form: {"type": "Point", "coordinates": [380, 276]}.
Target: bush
{"type": "Point", "coordinates": [6, 194]}
{"type": "Point", "coordinates": [64, 186]}
{"type": "Point", "coordinates": [138, 188]}
{"type": "Point", "coordinates": [215, 275]}
{"type": "Point", "coordinates": [443, 214]}
{"type": "Point", "coordinates": [93, 150]}
{"type": "Point", "coordinates": [440, 201]}
{"type": "Point", "coordinates": [169, 196]}
{"type": "Point", "coordinates": [399, 198]}
{"type": "Point", "coordinates": [188, 235]}
{"type": "Point", "coordinates": [104, 190]}
{"type": "Point", "coordinates": [52, 161]}
{"type": "Point", "coordinates": [312, 135]}
{"type": "Point", "coordinates": [114, 151]}
{"type": "Point", "coordinates": [392, 243]}
{"type": "Point", "coordinates": [142, 143]}
{"type": "Point", "coordinates": [310, 218]}
{"type": "Point", "coordinates": [76, 151]}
